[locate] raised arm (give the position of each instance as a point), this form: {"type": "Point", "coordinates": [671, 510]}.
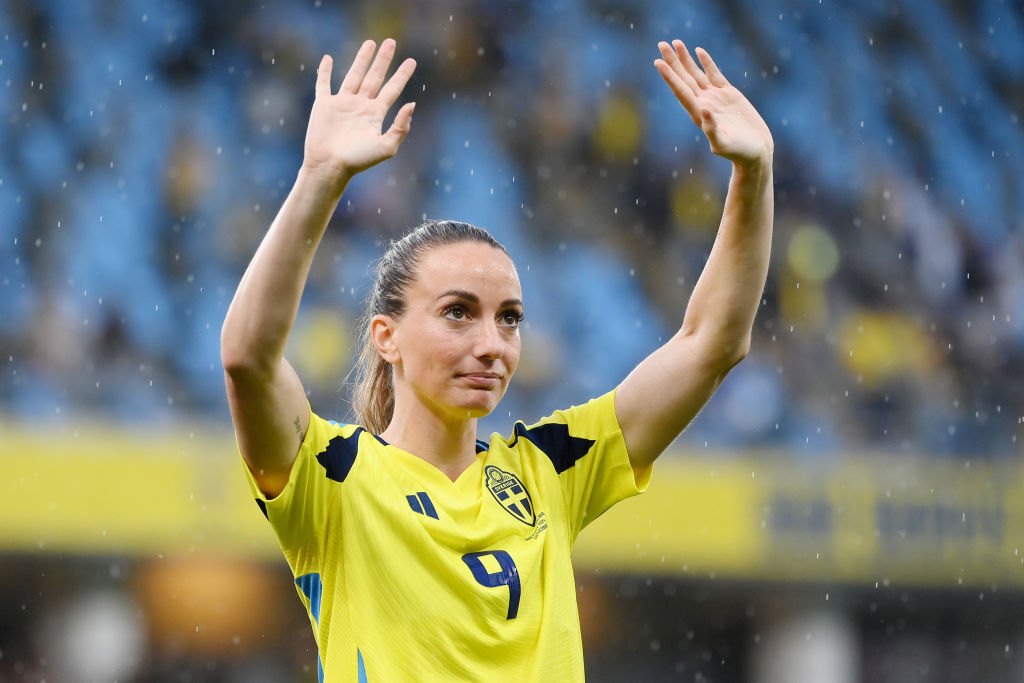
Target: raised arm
{"type": "Point", "coordinates": [667, 389]}
{"type": "Point", "coordinates": [344, 136]}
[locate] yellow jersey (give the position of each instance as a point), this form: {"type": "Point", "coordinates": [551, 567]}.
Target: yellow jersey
{"type": "Point", "coordinates": [409, 576]}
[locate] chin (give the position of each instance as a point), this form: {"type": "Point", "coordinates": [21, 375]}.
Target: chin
{"type": "Point", "coordinates": [476, 411]}
{"type": "Point", "coordinates": [481, 407]}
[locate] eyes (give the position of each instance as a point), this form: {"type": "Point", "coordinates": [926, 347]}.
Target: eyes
{"type": "Point", "coordinates": [509, 317]}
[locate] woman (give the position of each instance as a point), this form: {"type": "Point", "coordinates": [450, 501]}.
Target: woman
{"type": "Point", "coordinates": [420, 552]}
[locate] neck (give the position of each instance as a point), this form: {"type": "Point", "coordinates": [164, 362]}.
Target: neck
{"type": "Point", "coordinates": [449, 445]}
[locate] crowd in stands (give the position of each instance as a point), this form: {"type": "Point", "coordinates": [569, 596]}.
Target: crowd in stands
{"type": "Point", "coordinates": [145, 145]}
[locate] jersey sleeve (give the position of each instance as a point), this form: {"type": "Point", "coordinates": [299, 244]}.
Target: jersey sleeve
{"type": "Point", "coordinates": [587, 449]}
{"type": "Point", "coordinates": [299, 514]}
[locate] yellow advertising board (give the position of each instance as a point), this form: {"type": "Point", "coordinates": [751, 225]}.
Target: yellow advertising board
{"type": "Point", "coordinates": [891, 519]}
{"type": "Point", "coordinates": [863, 518]}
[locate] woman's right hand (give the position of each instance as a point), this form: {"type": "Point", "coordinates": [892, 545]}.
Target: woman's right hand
{"type": "Point", "coordinates": [344, 133]}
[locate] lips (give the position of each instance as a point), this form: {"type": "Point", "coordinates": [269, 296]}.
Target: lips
{"type": "Point", "coordinates": [482, 380]}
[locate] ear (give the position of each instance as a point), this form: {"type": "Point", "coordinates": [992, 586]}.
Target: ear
{"type": "Point", "coordinates": [382, 333]}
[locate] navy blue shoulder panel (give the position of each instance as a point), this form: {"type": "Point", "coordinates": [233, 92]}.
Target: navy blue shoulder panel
{"type": "Point", "coordinates": [339, 456]}
{"type": "Point", "coordinates": [554, 440]}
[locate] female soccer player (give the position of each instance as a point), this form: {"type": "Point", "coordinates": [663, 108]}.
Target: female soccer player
{"type": "Point", "coordinates": [420, 552]}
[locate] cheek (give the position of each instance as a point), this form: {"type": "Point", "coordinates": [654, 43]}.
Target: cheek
{"type": "Point", "coordinates": [515, 347]}
{"type": "Point", "coordinates": [435, 348]}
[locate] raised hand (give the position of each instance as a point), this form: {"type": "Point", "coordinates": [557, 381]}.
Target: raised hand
{"type": "Point", "coordinates": [344, 135]}
{"type": "Point", "coordinates": [733, 127]}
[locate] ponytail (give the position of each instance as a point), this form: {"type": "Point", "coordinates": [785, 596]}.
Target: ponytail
{"type": "Point", "coordinates": [373, 398]}
{"type": "Point", "coordinates": [374, 394]}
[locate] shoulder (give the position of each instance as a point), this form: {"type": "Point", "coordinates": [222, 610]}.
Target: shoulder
{"type": "Point", "coordinates": [337, 446]}
{"type": "Point", "coordinates": [565, 436]}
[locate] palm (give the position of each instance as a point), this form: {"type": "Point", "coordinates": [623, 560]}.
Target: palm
{"type": "Point", "coordinates": [733, 127]}
{"type": "Point", "coordinates": [345, 128]}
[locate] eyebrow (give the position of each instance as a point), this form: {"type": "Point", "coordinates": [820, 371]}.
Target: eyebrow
{"type": "Point", "coordinates": [473, 298]}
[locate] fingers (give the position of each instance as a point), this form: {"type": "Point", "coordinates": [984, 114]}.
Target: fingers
{"type": "Point", "coordinates": [690, 66]}
{"type": "Point", "coordinates": [393, 88]}
{"type": "Point", "coordinates": [680, 88]}
{"type": "Point", "coordinates": [356, 72]}
{"type": "Point", "coordinates": [323, 76]}
{"type": "Point", "coordinates": [710, 68]}
{"type": "Point", "coordinates": [400, 126]}
{"type": "Point", "coordinates": [701, 76]}
{"type": "Point", "coordinates": [375, 76]}
{"type": "Point", "coordinates": [366, 75]}
{"type": "Point", "coordinates": [688, 79]}
{"type": "Point", "coordinates": [671, 59]}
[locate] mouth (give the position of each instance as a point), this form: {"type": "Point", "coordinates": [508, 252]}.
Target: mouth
{"type": "Point", "coordinates": [482, 380]}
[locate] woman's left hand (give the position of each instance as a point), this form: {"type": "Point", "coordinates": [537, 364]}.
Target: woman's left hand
{"type": "Point", "coordinates": [733, 127]}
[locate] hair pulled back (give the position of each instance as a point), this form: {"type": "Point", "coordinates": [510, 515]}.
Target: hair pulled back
{"type": "Point", "coordinates": [374, 394]}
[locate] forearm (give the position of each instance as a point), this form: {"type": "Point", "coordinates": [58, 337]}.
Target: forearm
{"type": "Point", "coordinates": [720, 314]}
{"type": "Point", "coordinates": [266, 302]}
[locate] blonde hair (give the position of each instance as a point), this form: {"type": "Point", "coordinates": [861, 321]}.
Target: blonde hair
{"type": "Point", "coordinates": [373, 398]}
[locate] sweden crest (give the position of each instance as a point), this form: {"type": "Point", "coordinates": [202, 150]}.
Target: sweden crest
{"type": "Point", "coordinates": [510, 494]}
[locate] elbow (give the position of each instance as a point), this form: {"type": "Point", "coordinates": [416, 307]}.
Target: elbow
{"type": "Point", "coordinates": [240, 362]}
{"type": "Point", "coordinates": [233, 361]}
{"type": "Point", "coordinates": [243, 371]}
{"type": "Point", "coordinates": [741, 351]}
{"type": "Point", "coordinates": [721, 353]}
{"type": "Point", "coordinates": [232, 352]}
{"type": "Point", "coordinates": [731, 355]}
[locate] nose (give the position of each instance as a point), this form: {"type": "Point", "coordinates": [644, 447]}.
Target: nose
{"type": "Point", "coordinates": [489, 343]}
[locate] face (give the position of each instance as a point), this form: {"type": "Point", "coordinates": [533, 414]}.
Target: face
{"type": "Point", "coordinates": [457, 344]}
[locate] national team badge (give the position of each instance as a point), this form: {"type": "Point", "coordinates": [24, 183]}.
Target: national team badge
{"type": "Point", "coordinates": [511, 494]}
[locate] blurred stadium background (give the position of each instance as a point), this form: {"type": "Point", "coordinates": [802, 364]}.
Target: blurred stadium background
{"type": "Point", "coordinates": [847, 508]}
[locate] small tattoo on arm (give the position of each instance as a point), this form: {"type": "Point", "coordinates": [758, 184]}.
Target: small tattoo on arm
{"type": "Point", "coordinates": [298, 426]}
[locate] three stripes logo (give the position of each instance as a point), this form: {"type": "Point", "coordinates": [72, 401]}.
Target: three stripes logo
{"type": "Point", "coordinates": [511, 494]}
{"type": "Point", "coordinates": [421, 504]}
